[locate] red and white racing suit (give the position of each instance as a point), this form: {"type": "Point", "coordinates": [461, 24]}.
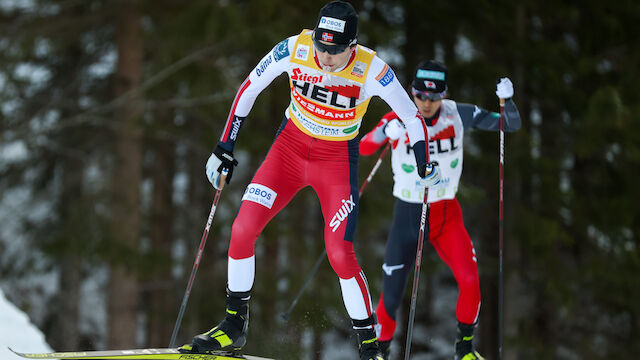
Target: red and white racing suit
{"type": "Point", "coordinates": [446, 230]}
{"type": "Point", "coordinates": [316, 146]}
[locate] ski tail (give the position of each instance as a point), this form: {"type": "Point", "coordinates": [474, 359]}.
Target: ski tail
{"type": "Point", "coordinates": [136, 354]}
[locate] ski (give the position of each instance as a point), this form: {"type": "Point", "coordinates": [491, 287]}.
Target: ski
{"type": "Point", "coordinates": [137, 354]}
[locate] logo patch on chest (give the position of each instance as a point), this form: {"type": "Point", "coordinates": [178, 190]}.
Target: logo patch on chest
{"type": "Point", "coordinates": [358, 69]}
{"type": "Point", "coordinates": [302, 52]}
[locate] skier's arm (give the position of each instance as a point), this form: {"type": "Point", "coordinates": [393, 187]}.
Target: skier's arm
{"type": "Point", "coordinates": [479, 118]}
{"type": "Point", "coordinates": [379, 136]}
{"type": "Point", "coordinates": [373, 139]}
{"type": "Point", "coordinates": [274, 63]}
{"type": "Point", "coordinates": [476, 117]}
{"type": "Point", "coordinates": [271, 65]}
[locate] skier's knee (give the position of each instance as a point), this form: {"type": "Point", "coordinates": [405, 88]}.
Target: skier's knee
{"type": "Point", "coordinates": [468, 281]}
{"type": "Point", "coordinates": [243, 240]}
{"type": "Point", "coordinates": [344, 264]}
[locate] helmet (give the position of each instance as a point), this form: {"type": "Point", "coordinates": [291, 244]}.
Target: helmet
{"type": "Point", "coordinates": [431, 77]}
{"type": "Point", "coordinates": [338, 25]}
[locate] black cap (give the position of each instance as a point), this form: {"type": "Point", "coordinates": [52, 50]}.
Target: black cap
{"type": "Point", "coordinates": [337, 23]}
{"type": "Point", "coordinates": [431, 76]}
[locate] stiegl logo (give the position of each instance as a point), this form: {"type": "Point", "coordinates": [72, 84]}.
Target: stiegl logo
{"type": "Point", "coordinates": [342, 213]}
{"type": "Point", "coordinates": [299, 75]}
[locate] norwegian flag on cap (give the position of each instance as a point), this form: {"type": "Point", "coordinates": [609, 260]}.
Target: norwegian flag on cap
{"type": "Point", "coordinates": [337, 23]}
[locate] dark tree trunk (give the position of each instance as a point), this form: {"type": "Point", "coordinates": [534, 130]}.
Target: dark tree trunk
{"type": "Point", "coordinates": [66, 335]}
{"type": "Point", "coordinates": [123, 289]}
{"type": "Point", "coordinates": [161, 307]}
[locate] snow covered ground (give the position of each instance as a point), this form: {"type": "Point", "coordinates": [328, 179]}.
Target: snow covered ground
{"type": "Point", "coordinates": [17, 332]}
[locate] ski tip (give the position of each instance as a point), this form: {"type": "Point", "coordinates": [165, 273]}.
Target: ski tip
{"type": "Point", "coordinates": [15, 352]}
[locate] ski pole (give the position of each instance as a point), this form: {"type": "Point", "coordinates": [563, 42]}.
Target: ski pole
{"type": "Point", "coordinates": [285, 316]}
{"type": "Point", "coordinates": [374, 169]}
{"type": "Point", "coordinates": [196, 263]}
{"type": "Point", "coordinates": [500, 228]}
{"type": "Point", "coordinates": [416, 274]}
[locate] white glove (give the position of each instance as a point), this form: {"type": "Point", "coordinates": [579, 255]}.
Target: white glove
{"type": "Point", "coordinates": [212, 170]}
{"type": "Point", "coordinates": [504, 89]}
{"type": "Point", "coordinates": [221, 162]}
{"type": "Point", "coordinates": [432, 175]}
{"type": "Point", "coordinates": [394, 129]}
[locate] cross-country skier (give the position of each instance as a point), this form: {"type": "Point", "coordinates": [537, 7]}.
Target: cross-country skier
{"type": "Point", "coordinates": [446, 121]}
{"type": "Point", "coordinates": [332, 80]}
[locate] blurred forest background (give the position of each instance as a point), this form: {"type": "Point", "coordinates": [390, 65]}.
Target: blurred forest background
{"type": "Point", "coordinates": [109, 110]}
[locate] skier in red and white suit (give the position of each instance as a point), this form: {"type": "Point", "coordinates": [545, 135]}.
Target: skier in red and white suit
{"type": "Point", "coordinates": [446, 121]}
{"type": "Point", "coordinates": [332, 80]}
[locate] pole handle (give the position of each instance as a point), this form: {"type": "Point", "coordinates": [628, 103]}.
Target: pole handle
{"type": "Point", "coordinates": [223, 178]}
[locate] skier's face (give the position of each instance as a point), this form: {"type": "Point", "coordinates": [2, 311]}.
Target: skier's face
{"type": "Point", "coordinates": [428, 108]}
{"type": "Point", "coordinates": [332, 62]}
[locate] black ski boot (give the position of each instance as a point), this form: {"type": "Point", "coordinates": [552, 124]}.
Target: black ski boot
{"type": "Point", "coordinates": [385, 348]}
{"type": "Point", "coordinates": [231, 333]}
{"type": "Point", "coordinates": [464, 343]}
{"type": "Point", "coordinates": [367, 340]}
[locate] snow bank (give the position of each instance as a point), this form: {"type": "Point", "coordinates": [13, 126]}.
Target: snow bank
{"type": "Point", "coordinates": [17, 332]}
